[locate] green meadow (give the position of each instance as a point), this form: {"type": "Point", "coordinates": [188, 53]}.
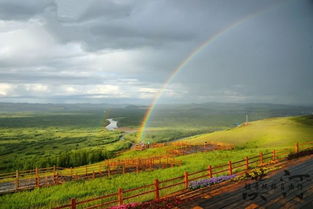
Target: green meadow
{"type": "Point", "coordinates": [264, 133]}
{"type": "Point", "coordinates": [249, 141]}
{"type": "Point", "coordinates": [65, 139]}
{"type": "Point", "coordinates": [61, 194]}
{"type": "Point", "coordinates": [74, 135]}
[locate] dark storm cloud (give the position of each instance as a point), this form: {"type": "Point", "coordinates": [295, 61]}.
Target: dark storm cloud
{"type": "Point", "coordinates": [105, 9]}
{"type": "Point", "coordinates": [133, 24]}
{"type": "Point", "coordinates": [270, 62]}
{"type": "Point", "coordinates": [21, 10]}
{"type": "Point", "coordinates": [136, 24]}
{"type": "Point", "coordinates": [136, 44]}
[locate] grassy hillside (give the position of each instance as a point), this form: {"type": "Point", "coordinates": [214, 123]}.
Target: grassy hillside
{"type": "Point", "coordinates": [249, 139]}
{"type": "Point", "coordinates": [175, 121]}
{"type": "Point", "coordinates": [264, 133]}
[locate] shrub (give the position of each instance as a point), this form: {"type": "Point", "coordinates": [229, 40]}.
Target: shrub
{"type": "Point", "coordinates": [300, 154]}
{"type": "Point", "coordinates": [160, 204]}
{"type": "Point", "coordinates": [165, 203]}
{"type": "Point", "coordinates": [126, 206]}
{"type": "Point", "coordinates": [208, 182]}
{"type": "Point", "coordinates": [256, 173]}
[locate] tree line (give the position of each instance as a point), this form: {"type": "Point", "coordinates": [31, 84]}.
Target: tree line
{"type": "Point", "coordinates": [71, 158]}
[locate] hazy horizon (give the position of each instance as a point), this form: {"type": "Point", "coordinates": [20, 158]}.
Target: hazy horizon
{"type": "Point", "coordinates": [149, 104]}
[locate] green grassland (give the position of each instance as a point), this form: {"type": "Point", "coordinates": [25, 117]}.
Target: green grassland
{"type": "Point", "coordinates": [74, 135]}
{"type": "Point", "coordinates": [34, 139]}
{"type": "Point", "coordinates": [250, 140]}
{"type": "Point", "coordinates": [264, 133]}
{"type": "Point", "coordinates": [172, 122]}
{"type": "Point", "coordinates": [61, 194]}
{"type": "Point", "coordinates": [40, 135]}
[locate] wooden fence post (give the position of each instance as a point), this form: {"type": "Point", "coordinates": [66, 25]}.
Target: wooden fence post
{"type": "Point", "coordinates": [120, 196]}
{"type": "Point", "coordinates": [93, 174]}
{"type": "Point", "coordinates": [37, 177]}
{"type": "Point", "coordinates": [247, 163]}
{"type": "Point", "coordinates": [73, 203]}
{"type": "Point", "coordinates": [123, 168]}
{"type": "Point", "coordinates": [46, 181]}
{"type": "Point", "coordinates": [100, 172]}
{"type": "Point", "coordinates": [261, 158]}
{"type": "Point", "coordinates": [104, 167]}
{"type": "Point", "coordinates": [274, 155]}
{"type": "Point", "coordinates": [186, 179]}
{"type": "Point", "coordinates": [86, 170]}
{"type": "Point", "coordinates": [56, 178]}
{"type": "Point", "coordinates": [297, 147]}
{"type": "Point", "coordinates": [17, 181]}
{"type": "Point", "coordinates": [54, 174]}
{"type": "Point", "coordinates": [142, 163]}
{"type": "Point", "coordinates": [210, 172]}
{"type": "Point", "coordinates": [230, 168]}
{"type": "Point", "coordinates": [137, 167]}
{"type": "Point", "coordinates": [157, 189]}
{"type": "Point", "coordinates": [109, 172]}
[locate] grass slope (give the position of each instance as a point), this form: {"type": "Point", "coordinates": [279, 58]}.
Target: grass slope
{"type": "Point", "coordinates": [61, 194]}
{"type": "Point", "coordinates": [270, 132]}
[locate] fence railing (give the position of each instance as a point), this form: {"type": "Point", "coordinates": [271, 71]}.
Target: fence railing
{"type": "Point", "coordinates": [169, 187]}
{"type": "Point", "coordinates": [42, 177]}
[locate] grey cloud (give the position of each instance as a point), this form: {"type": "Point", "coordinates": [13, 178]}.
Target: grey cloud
{"type": "Point", "coordinates": [49, 78]}
{"type": "Point", "coordinates": [265, 58]}
{"type": "Point", "coordinates": [21, 10]}
{"type": "Point", "coordinates": [105, 24]}
{"type": "Point", "coordinates": [135, 30]}
{"type": "Point", "coordinates": [107, 9]}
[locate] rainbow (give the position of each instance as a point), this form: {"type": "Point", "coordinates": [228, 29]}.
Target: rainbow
{"type": "Point", "coordinates": [196, 51]}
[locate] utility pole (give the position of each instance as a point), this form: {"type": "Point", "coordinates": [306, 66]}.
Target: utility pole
{"type": "Point", "coordinates": [247, 118]}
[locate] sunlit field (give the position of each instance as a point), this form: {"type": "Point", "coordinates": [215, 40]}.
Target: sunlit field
{"type": "Point", "coordinates": [286, 132]}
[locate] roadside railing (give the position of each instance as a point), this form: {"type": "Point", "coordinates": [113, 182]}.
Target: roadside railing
{"type": "Point", "coordinates": [43, 177]}
{"type": "Point", "coordinates": [174, 186]}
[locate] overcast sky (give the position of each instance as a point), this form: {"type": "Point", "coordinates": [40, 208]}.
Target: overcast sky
{"type": "Point", "coordinates": [124, 50]}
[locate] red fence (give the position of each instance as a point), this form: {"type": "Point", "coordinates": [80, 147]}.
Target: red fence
{"type": "Point", "coordinates": [179, 184]}
{"type": "Point", "coordinates": [42, 177]}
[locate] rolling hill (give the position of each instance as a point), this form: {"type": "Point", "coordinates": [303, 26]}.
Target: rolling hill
{"type": "Point", "coordinates": [282, 131]}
